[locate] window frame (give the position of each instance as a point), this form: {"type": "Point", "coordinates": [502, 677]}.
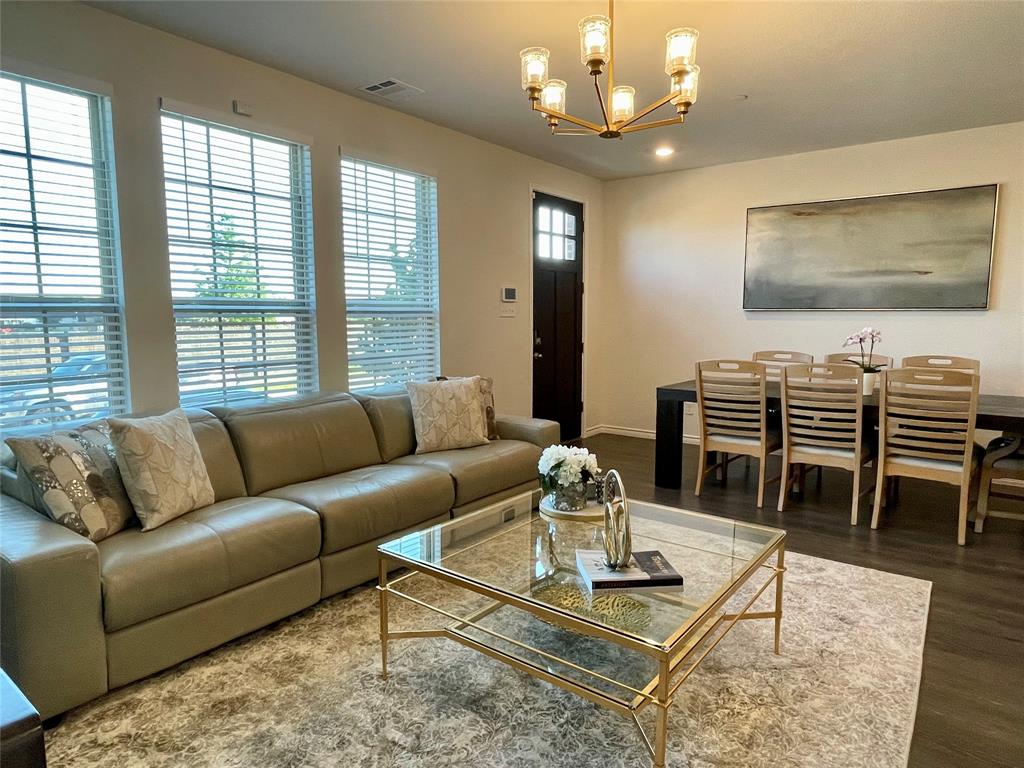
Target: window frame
{"type": "Point", "coordinates": [108, 305]}
{"type": "Point", "coordinates": [302, 307]}
{"type": "Point", "coordinates": [424, 309]}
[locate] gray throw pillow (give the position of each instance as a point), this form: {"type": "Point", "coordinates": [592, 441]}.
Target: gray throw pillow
{"type": "Point", "coordinates": [75, 476]}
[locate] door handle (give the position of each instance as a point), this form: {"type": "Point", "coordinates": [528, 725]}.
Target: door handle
{"type": "Point", "coordinates": [537, 355]}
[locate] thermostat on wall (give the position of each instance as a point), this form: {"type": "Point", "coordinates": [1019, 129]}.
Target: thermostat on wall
{"type": "Point", "coordinates": [509, 294]}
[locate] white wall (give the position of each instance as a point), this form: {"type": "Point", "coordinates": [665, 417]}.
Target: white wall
{"type": "Point", "coordinates": [672, 276]}
{"type": "Point", "coordinates": [484, 191]}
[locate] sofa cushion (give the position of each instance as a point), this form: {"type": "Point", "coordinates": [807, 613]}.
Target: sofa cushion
{"type": "Point", "coordinates": [483, 469]}
{"type": "Point", "coordinates": [294, 441]}
{"type": "Point", "coordinates": [364, 504]}
{"type": "Point", "coordinates": [390, 413]}
{"type": "Point", "coordinates": [202, 554]}
{"type": "Point", "coordinates": [218, 454]}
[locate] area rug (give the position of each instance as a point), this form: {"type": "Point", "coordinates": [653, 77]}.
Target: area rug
{"type": "Point", "coordinates": [307, 692]}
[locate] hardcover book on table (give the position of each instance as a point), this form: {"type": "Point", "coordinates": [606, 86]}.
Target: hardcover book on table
{"type": "Point", "coordinates": [647, 571]}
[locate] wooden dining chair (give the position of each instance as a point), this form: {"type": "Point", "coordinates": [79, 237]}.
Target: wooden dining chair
{"type": "Point", "coordinates": [926, 431]}
{"type": "Point", "coordinates": [776, 359]}
{"type": "Point", "coordinates": [943, 363]}
{"type": "Point", "coordinates": [823, 423]}
{"type": "Point", "coordinates": [733, 417]}
{"type": "Point", "coordinates": [879, 361]}
{"type": "Point", "coordinates": [1004, 460]}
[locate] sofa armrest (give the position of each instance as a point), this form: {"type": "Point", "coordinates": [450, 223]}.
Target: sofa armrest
{"type": "Point", "coordinates": [52, 641]}
{"type": "Point", "coordinates": [540, 432]}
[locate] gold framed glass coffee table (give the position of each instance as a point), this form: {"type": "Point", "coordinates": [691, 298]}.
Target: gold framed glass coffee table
{"type": "Point", "coordinates": [507, 586]}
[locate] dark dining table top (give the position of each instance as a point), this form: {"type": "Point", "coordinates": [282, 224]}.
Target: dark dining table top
{"type": "Point", "coordinates": [994, 411]}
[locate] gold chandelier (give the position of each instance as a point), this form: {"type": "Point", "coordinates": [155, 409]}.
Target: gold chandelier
{"type": "Point", "coordinates": [597, 50]}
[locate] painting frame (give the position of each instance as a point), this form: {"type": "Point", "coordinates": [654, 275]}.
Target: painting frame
{"type": "Point", "coordinates": [991, 222]}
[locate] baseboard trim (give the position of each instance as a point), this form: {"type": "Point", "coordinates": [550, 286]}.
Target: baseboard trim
{"type": "Point", "coordinates": [608, 429]}
{"type": "Point", "coordinates": [643, 434]}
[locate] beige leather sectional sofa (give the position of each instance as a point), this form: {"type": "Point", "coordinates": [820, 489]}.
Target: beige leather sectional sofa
{"type": "Point", "coordinates": [305, 490]}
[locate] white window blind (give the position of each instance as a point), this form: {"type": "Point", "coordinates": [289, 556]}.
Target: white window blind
{"type": "Point", "coordinates": [389, 220]}
{"type": "Point", "coordinates": [61, 340]}
{"type": "Point", "coordinates": [240, 236]}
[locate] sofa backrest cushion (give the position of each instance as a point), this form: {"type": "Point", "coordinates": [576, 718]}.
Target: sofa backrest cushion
{"type": "Point", "coordinates": [218, 454]}
{"type": "Point", "coordinates": [293, 441]}
{"type": "Point", "coordinates": [390, 413]}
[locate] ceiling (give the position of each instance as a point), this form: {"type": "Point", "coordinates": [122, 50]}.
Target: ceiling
{"type": "Point", "coordinates": [816, 74]}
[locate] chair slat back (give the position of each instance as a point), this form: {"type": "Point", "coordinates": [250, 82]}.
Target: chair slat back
{"type": "Point", "coordinates": [928, 414]}
{"type": "Point", "coordinates": [943, 362]}
{"type": "Point", "coordinates": [822, 406]}
{"type": "Point", "coordinates": [776, 359]}
{"type": "Point", "coordinates": [879, 361]}
{"type": "Point", "coordinates": [731, 398]}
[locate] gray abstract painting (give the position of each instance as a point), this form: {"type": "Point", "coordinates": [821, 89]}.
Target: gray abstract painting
{"type": "Point", "coordinates": [920, 250]}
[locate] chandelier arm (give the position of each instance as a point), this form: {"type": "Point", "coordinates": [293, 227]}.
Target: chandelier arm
{"type": "Point", "coordinates": [604, 109]}
{"type": "Point", "coordinates": [568, 118]}
{"type": "Point", "coordinates": [572, 131]}
{"type": "Point", "coordinates": [611, 51]}
{"type": "Point", "coordinates": [645, 111]}
{"type": "Point", "coordinates": [677, 120]}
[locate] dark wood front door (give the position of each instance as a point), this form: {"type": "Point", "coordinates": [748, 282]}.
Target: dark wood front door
{"type": "Point", "coordinates": [558, 312]}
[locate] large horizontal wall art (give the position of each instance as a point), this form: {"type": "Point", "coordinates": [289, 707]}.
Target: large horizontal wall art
{"type": "Point", "coordinates": [919, 250]}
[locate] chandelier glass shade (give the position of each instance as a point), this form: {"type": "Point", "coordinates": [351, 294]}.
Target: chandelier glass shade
{"type": "Point", "coordinates": [597, 53]}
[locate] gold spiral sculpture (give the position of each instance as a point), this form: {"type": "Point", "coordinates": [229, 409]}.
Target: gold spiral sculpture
{"type": "Point", "coordinates": [617, 537]}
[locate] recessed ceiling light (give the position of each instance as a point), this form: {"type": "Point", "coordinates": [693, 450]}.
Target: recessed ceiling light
{"type": "Point", "coordinates": [664, 151]}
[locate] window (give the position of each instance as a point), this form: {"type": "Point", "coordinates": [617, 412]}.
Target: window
{"type": "Point", "coordinates": [61, 334]}
{"type": "Point", "coordinates": [556, 234]}
{"type": "Point", "coordinates": [389, 218]}
{"type": "Point", "coordinates": [239, 231]}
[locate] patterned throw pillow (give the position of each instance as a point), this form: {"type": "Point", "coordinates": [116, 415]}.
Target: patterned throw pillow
{"type": "Point", "coordinates": [161, 466]}
{"type": "Point", "coordinates": [447, 414]}
{"type": "Point", "coordinates": [75, 474]}
{"type": "Point", "coordinates": [487, 391]}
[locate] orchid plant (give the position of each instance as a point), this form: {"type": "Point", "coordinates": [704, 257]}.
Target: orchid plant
{"type": "Point", "coordinates": [869, 336]}
{"type": "Point", "coordinates": [563, 465]}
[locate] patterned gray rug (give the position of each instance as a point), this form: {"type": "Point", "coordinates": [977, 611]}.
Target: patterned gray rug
{"type": "Point", "coordinates": [306, 692]}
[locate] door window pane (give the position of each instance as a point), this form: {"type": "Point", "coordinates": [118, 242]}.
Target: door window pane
{"type": "Point", "coordinates": [570, 248]}
{"type": "Point", "coordinates": [557, 247]}
{"type": "Point", "coordinates": [544, 219]}
{"type": "Point", "coordinates": [544, 246]}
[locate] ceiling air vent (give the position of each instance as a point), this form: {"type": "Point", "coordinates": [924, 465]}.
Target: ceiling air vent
{"type": "Point", "coordinates": [392, 90]}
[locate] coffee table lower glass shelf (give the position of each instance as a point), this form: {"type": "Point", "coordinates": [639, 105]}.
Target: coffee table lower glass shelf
{"type": "Point", "coordinates": [509, 589]}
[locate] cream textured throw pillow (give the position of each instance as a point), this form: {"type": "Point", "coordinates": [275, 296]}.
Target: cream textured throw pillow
{"type": "Point", "coordinates": [487, 400]}
{"type": "Point", "coordinates": [447, 414]}
{"type": "Point", "coordinates": [75, 475]}
{"type": "Point", "coordinates": [161, 467]}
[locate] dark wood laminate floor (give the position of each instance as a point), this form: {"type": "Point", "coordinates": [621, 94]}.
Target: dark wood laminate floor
{"type": "Point", "coordinates": [971, 707]}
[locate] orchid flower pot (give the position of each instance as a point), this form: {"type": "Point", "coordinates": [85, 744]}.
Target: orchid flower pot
{"type": "Point", "coordinates": [870, 382]}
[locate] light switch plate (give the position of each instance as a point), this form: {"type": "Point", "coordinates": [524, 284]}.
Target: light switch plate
{"type": "Point", "coordinates": [508, 310]}
{"type": "Point", "coordinates": [690, 409]}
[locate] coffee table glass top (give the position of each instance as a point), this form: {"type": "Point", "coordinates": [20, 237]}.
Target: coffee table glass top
{"type": "Point", "coordinates": [534, 560]}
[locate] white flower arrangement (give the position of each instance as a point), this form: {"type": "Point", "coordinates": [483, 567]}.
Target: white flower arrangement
{"type": "Point", "coordinates": [864, 336]}
{"type": "Point", "coordinates": [562, 465]}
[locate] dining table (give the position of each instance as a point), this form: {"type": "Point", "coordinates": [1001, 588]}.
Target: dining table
{"type": "Point", "coordinates": [1002, 413]}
